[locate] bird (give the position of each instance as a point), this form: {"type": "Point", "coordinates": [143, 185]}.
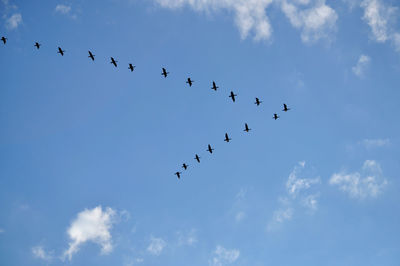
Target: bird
{"type": "Point", "coordinates": [246, 128]}
{"type": "Point", "coordinates": [60, 51]}
{"type": "Point", "coordinates": [258, 102]}
{"type": "Point", "coordinates": [190, 82]}
{"type": "Point", "coordinates": [232, 95]}
{"type": "Point", "coordinates": [275, 116]}
{"type": "Point", "coordinates": [91, 55]}
{"type": "Point", "coordinates": [185, 166]}
{"type": "Point", "coordinates": [113, 61]}
{"type": "Point", "coordinates": [227, 139]}
{"type": "Point", "coordinates": [178, 174]}
{"type": "Point", "coordinates": [131, 67]}
{"type": "Point", "coordinates": [164, 72]}
{"type": "Point", "coordinates": [209, 149]}
{"type": "Point", "coordinates": [285, 108]}
{"type": "Point", "coordinates": [214, 86]}
{"type": "Point", "coordinates": [197, 158]}
{"type": "Point", "coordinates": [37, 45]}
{"type": "Point", "coordinates": [4, 39]}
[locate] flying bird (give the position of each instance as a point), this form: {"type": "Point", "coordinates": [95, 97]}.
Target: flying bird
{"type": "Point", "coordinates": [258, 102]}
{"type": "Point", "coordinates": [232, 96]}
{"type": "Point", "coordinates": [4, 39]}
{"type": "Point", "coordinates": [209, 149]}
{"type": "Point", "coordinates": [185, 166]}
{"type": "Point", "coordinates": [275, 116]}
{"type": "Point", "coordinates": [285, 108]}
{"type": "Point", "coordinates": [246, 128]}
{"type": "Point", "coordinates": [190, 82]}
{"type": "Point", "coordinates": [37, 45]}
{"type": "Point", "coordinates": [91, 55]}
{"type": "Point", "coordinates": [178, 174]}
{"type": "Point", "coordinates": [227, 139]}
{"type": "Point", "coordinates": [214, 86]}
{"type": "Point", "coordinates": [61, 51]}
{"type": "Point", "coordinates": [164, 72]}
{"type": "Point", "coordinates": [113, 61]}
{"type": "Point", "coordinates": [197, 158]}
{"type": "Point", "coordinates": [131, 67]}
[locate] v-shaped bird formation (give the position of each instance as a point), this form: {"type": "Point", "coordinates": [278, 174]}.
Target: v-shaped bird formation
{"type": "Point", "coordinates": [189, 81]}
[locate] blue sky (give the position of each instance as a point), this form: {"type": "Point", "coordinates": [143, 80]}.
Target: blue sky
{"type": "Point", "coordinates": [89, 151]}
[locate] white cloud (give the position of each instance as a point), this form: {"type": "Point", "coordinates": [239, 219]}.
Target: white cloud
{"type": "Point", "coordinates": [240, 216]}
{"type": "Point", "coordinates": [295, 185]}
{"type": "Point", "coordinates": [310, 202]}
{"type": "Point", "coordinates": [296, 195]}
{"type": "Point", "coordinates": [369, 182]}
{"type": "Point", "coordinates": [381, 19]}
{"type": "Point", "coordinates": [91, 225]}
{"type": "Point", "coordinates": [187, 239]}
{"type": "Point", "coordinates": [362, 64]}
{"type": "Point", "coordinates": [375, 143]}
{"type": "Point", "coordinates": [40, 253]}
{"type": "Point", "coordinates": [14, 21]}
{"type": "Point", "coordinates": [250, 15]}
{"type": "Point", "coordinates": [132, 261]}
{"type": "Point", "coordinates": [316, 22]}
{"type": "Point", "coordinates": [223, 256]}
{"type": "Point", "coordinates": [156, 246]}
{"type": "Point", "coordinates": [63, 9]}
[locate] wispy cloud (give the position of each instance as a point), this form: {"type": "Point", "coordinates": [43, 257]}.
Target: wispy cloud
{"type": "Point", "coordinates": [296, 194]}
{"type": "Point", "coordinates": [91, 225]}
{"type": "Point", "coordinates": [250, 16]}
{"type": "Point", "coordinates": [1, 230]}
{"type": "Point", "coordinates": [361, 66]}
{"type": "Point", "coordinates": [40, 253]}
{"type": "Point", "coordinates": [156, 246]}
{"type": "Point", "coordinates": [222, 256]}
{"type": "Point", "coordinates": [66, 10]}
{"type": "Point", "coordinates": [315, 19]}
{"type": "Point", "coordinates": [63, 9]}
{"type": "Point", "coordinates": [188, 238]}
{"type": "Point", "coordinates": [367, 183]}
{"type": "Point", "coordinates": [381, 19]}
{"type": "Point", "coordinates": [14, 21]}
{"type": "Point", "coordinates": [375, 143]}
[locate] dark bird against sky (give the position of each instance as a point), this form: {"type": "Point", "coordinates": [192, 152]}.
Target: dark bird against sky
{"type": "Point", "coordinates": [91, 55]}
{"type": "Point", "coordinates": [4, 39]}
{"type": "Point", "coordinates": [232, 95]}
{"type": "Point", "coordinates": [209, 149]}
{"type": "Point", "coordinates": [227, 139]}
{"type": "Point", "coordinates": [258, 102]}
{"type": "Point", "coordinates": [185, 166]}
{"type": "Point", "coordinates": [37, 45]}
{"type": "Point", "coordinates": [197, 158]}
{"type": "Point", "coordinates": [178, 174]}
{"type": "Point", "coordinates": [164, 72]}
{"type": "Point", "coordinates": [60, 51]}
{"type": "Point", "coordinates": [246, 127]}
{"type": "Point", "coordinates": [131, 67]}
{"type": "Point", "coordinates": [113, 61]}
{"type": "Point", "coordinates": [275, 116]}
{"type": "Point", "coordinates": [285, 108]}
{"type": "Point", "coordinates": [190, 82]}
{"type": "Point", "coordinates": [214, 86]}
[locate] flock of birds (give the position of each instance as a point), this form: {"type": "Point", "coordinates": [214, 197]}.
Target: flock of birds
{"type": "Point", "coordinates": [190, 82]}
